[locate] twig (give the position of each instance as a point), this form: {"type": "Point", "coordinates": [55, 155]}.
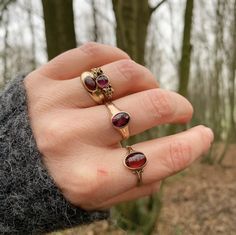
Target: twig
{"type": "Point", "coordinates": [152, 9]}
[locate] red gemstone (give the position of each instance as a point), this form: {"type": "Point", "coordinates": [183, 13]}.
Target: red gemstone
{"type": "Point", "coordinates": [90, 83]}
{"type": "Point", "coordinates": [135, 160]}
{"type": "Point", "coordinates": [121, 119]}
{"type": "Point", "coordinates": [102, 81]}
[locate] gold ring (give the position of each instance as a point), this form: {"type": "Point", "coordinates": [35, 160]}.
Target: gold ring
{"type": "Point", "coordinates": [119, 120]}
{"type": "Point", "coordinates": [135, 161]}
{"type": "Point", "coordinates": [97, 84]}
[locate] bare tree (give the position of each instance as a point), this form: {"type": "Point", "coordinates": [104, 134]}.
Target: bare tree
{"type": "Point", "coordinates": [232, 86]}
{"type": "Point", "coordinates": [132, 20]}
{"type": "Point", "coordinates": [32, 32]}
{"type": "Point", "coordinates": [6, 47]}
{"type": "Point", "coordinates": [184, 65]}
{"type": "Point", "coordinates": [95, 23]}
{"type": "Point", "coordinates": [59, 26]}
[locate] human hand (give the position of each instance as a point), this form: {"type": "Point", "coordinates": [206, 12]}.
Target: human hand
{"type": "Point", "coordinates": [79, 146]}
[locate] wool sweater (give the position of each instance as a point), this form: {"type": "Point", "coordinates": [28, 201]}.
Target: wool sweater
{"type": "Point", "coordinates": [30, 202]}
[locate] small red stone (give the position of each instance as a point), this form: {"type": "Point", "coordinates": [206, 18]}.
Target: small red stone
{"type": "Point", "coordinates": [90, 83]}
{"type": "Point", "coordinates": [121, 119]}
{"type": "Point", "coordinates": [135, 160]}
{"type": "Point", "coordinates": [102, 81]}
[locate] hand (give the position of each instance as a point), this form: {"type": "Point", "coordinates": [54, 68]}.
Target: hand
{"type": "Point", "coordinates": [79, 146]}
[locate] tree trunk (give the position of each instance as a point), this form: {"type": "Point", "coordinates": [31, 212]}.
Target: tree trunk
{"type": "Point", "coordinates": [232, 86]}
{"type": "Point", "coordinates": [184, 65]}
{"type": "Point", "coordinates": [185, 61]}
{"type": "Point", "coordinates": [95, 23]}
{"type": "Point", "coordinates": [217, 100]}
{"type": "Point", "coordinates": [132, 19]}
{"type": "Point", "coordinates": [32, 32]}
{"type": "Point", "coordinates": [6, 48]}
{"type": "Point", "coordinates": [59, 26]}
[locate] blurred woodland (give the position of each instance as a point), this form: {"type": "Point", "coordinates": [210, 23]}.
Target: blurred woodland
{"type": "Point", "coordinates": [190, 46]}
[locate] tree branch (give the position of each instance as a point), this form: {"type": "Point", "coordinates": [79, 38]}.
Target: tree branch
{"type": "Point", "coordinates": [152, 9]}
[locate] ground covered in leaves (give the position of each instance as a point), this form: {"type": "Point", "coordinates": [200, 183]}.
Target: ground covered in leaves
{"type": "Point", "coordinates": [200, 201]}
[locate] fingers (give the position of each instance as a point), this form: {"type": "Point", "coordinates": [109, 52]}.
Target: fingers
{"type": "Point", "coordinates": [73, 62]}
{"type": "Point", "coordinates": [147, 109]}
{"type": "Point", "coordinates": [165, 157]}
{"type": "Point", "coordinates": [125, 75]}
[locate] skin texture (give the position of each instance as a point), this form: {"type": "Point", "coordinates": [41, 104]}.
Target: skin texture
{"type": "Point", "coordinates": [79, 146]}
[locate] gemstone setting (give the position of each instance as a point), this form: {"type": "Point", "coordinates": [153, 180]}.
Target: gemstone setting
{"type": "Point", "coordinates": [120, 119]}
{"type": "Point", "coordinates": [90, 83]}
{"type": "Point", "coordinates": [135, 160]}
{"type": "Point", "coordinates": [102, 81]}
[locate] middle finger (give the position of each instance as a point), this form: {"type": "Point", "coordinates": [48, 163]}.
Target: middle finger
{"type": "Point", "coordinates": [147, 109]}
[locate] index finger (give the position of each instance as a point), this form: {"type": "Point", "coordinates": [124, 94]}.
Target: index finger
{"type": "Point", "coordinates": [72, 63]}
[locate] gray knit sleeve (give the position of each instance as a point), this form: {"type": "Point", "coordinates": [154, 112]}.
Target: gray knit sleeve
{"type": "Point", "coordinates": [30, 203]}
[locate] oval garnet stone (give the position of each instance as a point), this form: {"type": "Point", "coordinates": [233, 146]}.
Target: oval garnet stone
{"type": "Point", "coordinates": [102, 81]}
{"type": "Point", "coordinates": [90, 83]}
{"type": "Point", "coordinates": [121, 119]}
{"type": "Point", "coordinates": [135, 160]}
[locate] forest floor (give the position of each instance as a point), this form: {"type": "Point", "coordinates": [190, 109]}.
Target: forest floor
{"type": "Point", "coordinates": [199, 201]}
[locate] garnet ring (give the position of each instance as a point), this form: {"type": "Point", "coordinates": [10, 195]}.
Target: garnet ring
{"type": "Point", "coordinates": [97, 84]}
{"type": "Point", "coordinates": [119, 120]}
{"type": "Point", "coordinates": [135, 161]}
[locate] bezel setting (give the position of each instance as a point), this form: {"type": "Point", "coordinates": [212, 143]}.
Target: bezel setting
{"type": "Point", "coordinates": [117, 122]}
{"type": "Point", "coordinates": [138, 162]}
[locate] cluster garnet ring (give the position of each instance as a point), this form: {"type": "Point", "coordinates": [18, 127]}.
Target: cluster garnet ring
{"type": "Point", "coordinates": [98, 85]}
{"type": "Point", "coordinates": [135, 161]}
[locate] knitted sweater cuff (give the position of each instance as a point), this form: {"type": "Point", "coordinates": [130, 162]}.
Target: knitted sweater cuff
{"type": "Point", "coordinates": [30, 203]}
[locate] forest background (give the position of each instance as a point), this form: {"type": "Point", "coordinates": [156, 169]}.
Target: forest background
{"type": "Point", "coordinates": [190, 46]}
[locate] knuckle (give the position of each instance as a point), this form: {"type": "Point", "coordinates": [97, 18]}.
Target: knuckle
{"type": "Point", "coordinates": [159, 104]}
{"type": "Point", "coordinates": [133, 72]}
{"type": "Point", "coordinates": [179, 156]}
{"type": "Point", "coordinates": [90, 48]}
{"type": "Point", "coordinates": [128, 69]}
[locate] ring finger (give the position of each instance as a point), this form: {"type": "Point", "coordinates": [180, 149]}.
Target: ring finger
{"type": "Point", "coordinates": [147, 109]}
